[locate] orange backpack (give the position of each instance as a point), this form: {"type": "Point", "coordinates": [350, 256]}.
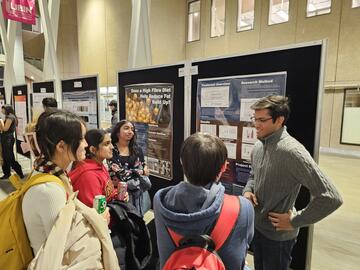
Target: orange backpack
{"type": "Point", "coordinates": [200, 251]}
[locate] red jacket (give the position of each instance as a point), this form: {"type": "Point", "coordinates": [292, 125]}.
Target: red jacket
{"type": "Point", "coordinates": [90, 179]}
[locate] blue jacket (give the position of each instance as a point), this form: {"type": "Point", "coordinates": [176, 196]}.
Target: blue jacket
{"type": "Point", "coordinates": [189, 209]}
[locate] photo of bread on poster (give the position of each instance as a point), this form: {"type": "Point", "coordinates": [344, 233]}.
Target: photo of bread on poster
{"type": "Point", "coordinates": [149, 103]}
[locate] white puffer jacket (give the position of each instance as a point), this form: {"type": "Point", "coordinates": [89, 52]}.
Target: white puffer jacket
{"type": "Point", "coordinates": [79, 240]}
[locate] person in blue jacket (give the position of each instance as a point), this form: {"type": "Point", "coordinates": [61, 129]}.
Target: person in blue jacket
{"type": "Point", "coordinates": [192, 207]}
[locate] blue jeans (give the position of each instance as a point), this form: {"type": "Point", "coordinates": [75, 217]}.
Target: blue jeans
{"type": "Point", "coordinates": [270, 254]}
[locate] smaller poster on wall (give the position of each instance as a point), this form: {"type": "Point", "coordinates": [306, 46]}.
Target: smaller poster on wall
{"type": "Point", "coordinates": [224, 110]}
{"type": "Point", "coordinates": [2, 100]}
{"type": "Point", "coordinates": [80, 96]}
{"type": "Point", "coordinates": [20, 101]}
{"type": "Point", "coordinates": [150, 108]}
{"type": "Point", "coordinates": [41, 90]}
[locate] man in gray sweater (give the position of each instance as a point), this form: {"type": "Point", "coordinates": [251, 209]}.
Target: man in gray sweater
{"type": "Point", "coordinates": [280, 166]}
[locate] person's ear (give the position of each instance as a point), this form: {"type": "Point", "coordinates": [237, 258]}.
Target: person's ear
{"type": "Point", "coordinates": [92, 149]}
{"type": "Point", "coordinates": [224, 167]}
{"type": "Point", "coordinates": [61, 147]}
{"type": "Point", "coordinates": [280, 120]}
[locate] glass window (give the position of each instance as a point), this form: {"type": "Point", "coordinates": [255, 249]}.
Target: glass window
{"type": "Point", "coordinates": [350, 129]}
{"type": "Point", "coordinates": [193, 21]}
{"type": "Point", "coordinates": [245, 15]}
{"type": "Point", "coordinates": [318, 7]}
{"type": "Point", "coordinates": [217, 18]}
{"type": "Point", "coordinates": [278, 11]}
{"type": "Point", "coordinates": [355, 3]}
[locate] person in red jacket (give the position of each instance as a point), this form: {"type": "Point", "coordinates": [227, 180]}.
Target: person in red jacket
{"type": "Point", "coordinates": [90, 177]}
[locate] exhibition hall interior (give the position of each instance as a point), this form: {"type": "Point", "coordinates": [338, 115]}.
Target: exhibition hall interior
{"type": "Point", "coordinates": [172, 68]}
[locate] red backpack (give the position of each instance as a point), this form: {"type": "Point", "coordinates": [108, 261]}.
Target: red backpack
{"type": "Point", "coordinates": [199, 252]}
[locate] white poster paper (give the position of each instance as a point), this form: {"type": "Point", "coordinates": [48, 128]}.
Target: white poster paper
{"type": "Point", "coordinates": [206, 128]}
{"type": "Point", "coordinates": [231, 148]}
{"type": "Point", "coordinates": [228, 132]}
{"type": "Point", "coordinates": [215, 96]}
{"type": "Point", "coordinates": [249, 135]}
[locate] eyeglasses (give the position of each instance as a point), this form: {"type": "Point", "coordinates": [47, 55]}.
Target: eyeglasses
{"type": "Point", "coordinates": [260, 120]}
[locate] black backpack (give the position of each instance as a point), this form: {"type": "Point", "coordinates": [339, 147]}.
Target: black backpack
{"type": "Point", "coordinates": [130, 236]}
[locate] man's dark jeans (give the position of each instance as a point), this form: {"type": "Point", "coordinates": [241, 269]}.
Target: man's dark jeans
{"type": "Point", "coordinates": [270, 254]}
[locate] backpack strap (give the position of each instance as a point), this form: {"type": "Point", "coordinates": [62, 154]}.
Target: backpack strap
{"type": "Point", "coordinates": [225, 223]}
{"type": "Point", "coordinates": [40, 179]}
{"type": "Point", "coordinates": [174, 236]}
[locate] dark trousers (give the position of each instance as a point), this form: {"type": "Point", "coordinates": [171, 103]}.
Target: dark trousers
{"type": "Point", "coordinates": [7, 144]}
{"type": "Point", "coordinates": [270, 254]}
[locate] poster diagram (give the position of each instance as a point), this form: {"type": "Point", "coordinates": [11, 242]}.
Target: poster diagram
{"type": "Point", "coordinates": [223, 109]}
{"type": "Point", "coordinates": [83, 104]}
{"type": "Point", "coordinates": [149, 107]}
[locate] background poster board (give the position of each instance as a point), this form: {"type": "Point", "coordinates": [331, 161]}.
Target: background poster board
{"type": "Point", "coordinates": [223, 110]}
{"type": "Point", "coordinates": [80, 96]}
{"type": "Point", "coordinates": [20, 102]}
{"type": "Point", "coordinates": [149, 107]}
{"type": "Point", "coordinates": [41, 90]}
{"type": "Point", "coordinates": [156, 75]}
{"type": "Point", "coordinates": [304, 66]}
{"type": "Point", "coordinates": [2, 100]}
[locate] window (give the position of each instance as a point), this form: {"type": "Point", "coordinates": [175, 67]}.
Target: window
{"type": "Point", "coordinates": [350, 128]}
{"type": "Point", "coordinates": [245, 15]}
{"type": "Point", "coordinates": [318, 7]}
{"type": "Point", "coordinates": [33, 27]}
{"type": "Point", "coordinates": [193, 21]}
{"type": "Point", "coordinates": [278, 11]}
{"type": "Point", "coordinates": [355, 3]}
{"type": "Point", "coordinates": [217, 18]}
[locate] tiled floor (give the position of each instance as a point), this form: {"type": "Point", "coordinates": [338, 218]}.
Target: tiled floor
{"type": "Point", "coordinates": [336, 242]}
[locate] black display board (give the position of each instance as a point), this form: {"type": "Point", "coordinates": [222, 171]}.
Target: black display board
{"type": "Point", "coordinates": [20, 104]}
{"type": "Point", "coordinates": [79, 96]}
{"type": "Point", "coordinates": [40, 91]}
{"type": "Point", "coordinates": [168, 74]}
{"type": "Point", "coordinates": [303, 67]}
{"type": "Point", "coordinates": [44, 87]}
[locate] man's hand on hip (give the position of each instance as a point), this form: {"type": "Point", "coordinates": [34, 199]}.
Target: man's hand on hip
{"type": "Point", "coordinates": [281, 221]}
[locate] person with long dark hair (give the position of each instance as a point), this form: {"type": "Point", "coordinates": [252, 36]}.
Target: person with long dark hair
{"type": "Point", "coordinates": [90, 177]}
{"type": "Point", "coordinates": [8, 128]}
{"type": "Point", "coordinates": [128, 165]}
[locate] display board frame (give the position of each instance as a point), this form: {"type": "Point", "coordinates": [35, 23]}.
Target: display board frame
{"type": "Point", "coordinates": [78, 85]}
{"type": "Point", "coordinates": [345, 120]}
{"type": "Point", "coordinates": [304, 65]}
{"type": "Point", "coordinates": [42, 90]}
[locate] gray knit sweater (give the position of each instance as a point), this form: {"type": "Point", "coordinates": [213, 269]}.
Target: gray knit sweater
{"type": "Point", "coordinates": [280, 165]}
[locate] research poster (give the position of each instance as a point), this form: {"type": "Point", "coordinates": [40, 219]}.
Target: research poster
{"type": "Point", "coordinates": [2, 100]}
{"type": "Point", "coordinates": [223, 109]}
{"type": "Point", "coordinates": [150, 108]}
{"type": "Point", "coordinates": [41, 90]}
{"type": "Point", "coordinates": [80, 96]}
{"type": "Point", "coordinates": [20, 100]}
